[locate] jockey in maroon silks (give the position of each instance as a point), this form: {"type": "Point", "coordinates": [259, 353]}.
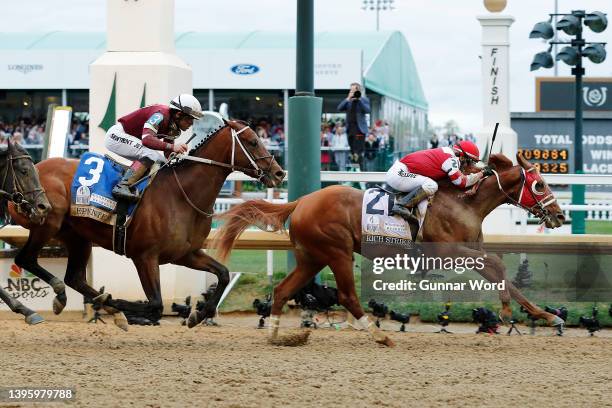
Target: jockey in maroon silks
{"type": "Point", "coordinates": [142, 134]}
{"type": "Point", "coordinates": [416, 174]}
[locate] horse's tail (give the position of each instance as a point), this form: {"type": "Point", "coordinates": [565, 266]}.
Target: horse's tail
{"type": "Point", "coordinates": [264, 215]}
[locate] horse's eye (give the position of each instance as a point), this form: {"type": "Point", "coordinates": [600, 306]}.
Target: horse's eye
{"type": "Point", "coordinates": [538, 187]}
{"type": "Point", "coordinates": [254, 142]}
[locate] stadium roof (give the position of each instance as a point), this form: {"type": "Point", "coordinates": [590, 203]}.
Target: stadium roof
{"type": "Point", "coordinates": [389, 68]}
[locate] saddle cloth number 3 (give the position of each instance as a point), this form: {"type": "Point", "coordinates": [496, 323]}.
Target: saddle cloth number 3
{"type": "Point", "coordinates": [95, 171]}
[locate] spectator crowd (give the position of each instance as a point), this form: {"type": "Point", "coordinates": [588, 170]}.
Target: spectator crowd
{"type": "Point", "coordinates": [31, 134]}
{"type": "Point", "coordinates": [449, 139]}
{"type": "Point", "coordinates": [338, 154]}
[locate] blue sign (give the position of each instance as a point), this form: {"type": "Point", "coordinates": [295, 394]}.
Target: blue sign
{"type": "Point", "coordinates": [244, 69]}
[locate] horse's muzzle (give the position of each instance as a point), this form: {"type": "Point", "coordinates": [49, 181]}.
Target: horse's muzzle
{"type": "Point", "coordinates": [273, 179]}
{"type": "Point", "coordinates": [554, 220]}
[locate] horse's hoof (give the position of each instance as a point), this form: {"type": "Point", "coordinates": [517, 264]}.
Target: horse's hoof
{"type": "Point", "coordinates": [386, 342]}
{"type": "Point", "coordinates": [193, 320]}
{"type": "Point", "coordinates": [101, 299]}
{"type": "Point", "coordinates": [58, 306]}
{"type": "Point", "coordinates": [557, 321]}
{"type": "Point", "coordinates": [34, 318]}
{"type": "Point", "coordinates": [121, 321]}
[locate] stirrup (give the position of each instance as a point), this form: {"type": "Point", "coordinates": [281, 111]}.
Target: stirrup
{"type": "Point", "coordinates": [123, 192]}
{"type": "Point", "coordinates": [404, 212]}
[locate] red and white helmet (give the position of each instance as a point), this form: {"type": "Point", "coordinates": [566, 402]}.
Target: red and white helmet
{"type": "Point", "coordinates": [467, 148]}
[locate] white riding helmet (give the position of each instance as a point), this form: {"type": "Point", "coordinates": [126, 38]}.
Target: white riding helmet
{"type": "Point", "coordinates": [187, 104]}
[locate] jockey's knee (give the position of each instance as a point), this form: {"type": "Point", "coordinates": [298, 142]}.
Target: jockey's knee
{"type": "Point", "coordinates": [149, 156]}
{"type": "Point", "coordinates": [430, 187]}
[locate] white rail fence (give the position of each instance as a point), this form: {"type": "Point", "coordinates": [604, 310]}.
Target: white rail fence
{"type": "Point", "coordinates": [596, 209]}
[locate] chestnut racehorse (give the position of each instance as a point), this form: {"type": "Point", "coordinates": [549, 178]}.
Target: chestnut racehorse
{"type": "Point", "coordinates": [173, 220]}
{"type": "Point", "coordinates": [325, 229]}
{"type": "Point", "coordinates": [21, 186]}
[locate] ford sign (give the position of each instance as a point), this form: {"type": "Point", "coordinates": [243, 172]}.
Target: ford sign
{"type": "Point", "coordinates": [244, 69]}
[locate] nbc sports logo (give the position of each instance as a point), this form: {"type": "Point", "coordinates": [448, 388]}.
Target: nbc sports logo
{"type": "Point", "coordinates": [18, 272]}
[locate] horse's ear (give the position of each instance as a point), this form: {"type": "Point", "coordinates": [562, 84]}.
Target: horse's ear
{"type": "Point", "coordinates": [523, 162]}
{"type": "Point", "coordinates": [500, 161]}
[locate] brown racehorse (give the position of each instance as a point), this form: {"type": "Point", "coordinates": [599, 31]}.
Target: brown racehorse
{"type": "Point", "coordinates": [173, 220]}
{"type": "Point", "coordinates": [21, 186]}
{"type": "Point", "coordinates": [325, 229]}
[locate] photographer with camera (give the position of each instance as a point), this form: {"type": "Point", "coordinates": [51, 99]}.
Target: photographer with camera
{"type": "Point", "coordinates": [356, 106]}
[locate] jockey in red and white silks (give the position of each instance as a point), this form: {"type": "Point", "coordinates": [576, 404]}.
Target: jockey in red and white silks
{"type": "Point", "coordinates": [417, 173]}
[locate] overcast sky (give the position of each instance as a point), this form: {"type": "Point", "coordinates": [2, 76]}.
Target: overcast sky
{"type": "Point", "coordinates": [444, 36]}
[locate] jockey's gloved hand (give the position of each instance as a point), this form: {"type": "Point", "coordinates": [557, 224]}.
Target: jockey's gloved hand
{"type": "Point", "coordinates": [180, 148]}
{"type": "Point", "coordinates": [487, 171]}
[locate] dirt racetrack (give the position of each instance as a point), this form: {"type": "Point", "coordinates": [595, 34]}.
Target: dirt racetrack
{"type": "Point", "coordinates": [233, 366]}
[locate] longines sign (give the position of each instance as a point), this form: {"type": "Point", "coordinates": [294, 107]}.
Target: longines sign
{"type": "Point", "coordinates": [25, 68]}
{"type": "Point", "coordinates": [558, 94]}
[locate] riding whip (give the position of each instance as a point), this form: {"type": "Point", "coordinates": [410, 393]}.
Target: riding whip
{"type": "Point", "coordinates": [493, 139]}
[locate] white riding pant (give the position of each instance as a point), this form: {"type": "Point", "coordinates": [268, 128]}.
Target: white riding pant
{"type": "Point", "coordinates": [128, 146]}
{"type": "Point", "coordinates": [400, 178]}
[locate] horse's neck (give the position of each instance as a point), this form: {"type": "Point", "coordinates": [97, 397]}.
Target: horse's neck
{"type": "Point", "coordinates": [202, 182]}
{"type": "Point", "coordinates": [489, 196]}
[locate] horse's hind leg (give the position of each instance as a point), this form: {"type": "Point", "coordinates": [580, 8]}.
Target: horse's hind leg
{"type": "Point", "coordinates": [347, 297]}
{"type": "Point", "coordinates": [79, 251]}
{"type": "Point", "coordinates": [27, 258]}
{"type": "Point", "coordinates": [305, 270]}
{"type": "Point", "coordinates": [31, 317]}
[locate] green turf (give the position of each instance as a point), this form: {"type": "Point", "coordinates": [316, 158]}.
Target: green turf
{"type": "Point", "coordinates": [598, 227]}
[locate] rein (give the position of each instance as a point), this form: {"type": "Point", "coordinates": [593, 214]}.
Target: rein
{"type": "Point", "coordinates": [257, 172]}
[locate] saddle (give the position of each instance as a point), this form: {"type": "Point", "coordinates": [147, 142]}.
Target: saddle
{"type": "Point", "coordinates": [378, 218]}
{"type": "Point", "coordinates": [91, 195]}
{"type": "Point", "coordinates": [397, 196]}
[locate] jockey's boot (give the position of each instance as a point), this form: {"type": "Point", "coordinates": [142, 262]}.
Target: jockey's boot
{"type": "Point", "coordinates": [404, 204]}
{"type": "Point", "coordinates": [132, 175]}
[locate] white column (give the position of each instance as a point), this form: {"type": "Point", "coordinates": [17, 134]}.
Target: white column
{"type": "Point", "coordinates": [211, 100]}
{"type": "Point", "coordinates": [140, 52]}
{"type": "Point", "coordinates": [496, 86]}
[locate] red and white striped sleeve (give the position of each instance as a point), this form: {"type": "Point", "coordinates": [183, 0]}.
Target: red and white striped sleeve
{"type": "Point", "coordinates": [451, 167]}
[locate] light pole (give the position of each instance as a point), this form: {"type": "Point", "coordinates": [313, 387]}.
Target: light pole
{"type": "Point", "coordinates": [572, 25]}
{"type": "Point", "coordinates": [377, 5]}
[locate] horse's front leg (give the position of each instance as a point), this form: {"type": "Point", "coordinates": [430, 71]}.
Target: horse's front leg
{"type": "Point", "coordinates": [31, 317]}
{"type": "Point", "coordinates": [199, 260]}
{"type": "Point", "coordinates": [147, 266]}
{"type": "Point", "coordinates": [495, 271]}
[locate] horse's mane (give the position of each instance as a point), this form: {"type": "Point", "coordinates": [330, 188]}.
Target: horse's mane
{"type": "Point", "coordinates": [500, 162]}
{"type": "Point", "coordinates": [207, 138]}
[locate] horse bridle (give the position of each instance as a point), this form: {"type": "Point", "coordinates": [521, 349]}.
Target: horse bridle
{"type": "Point", "coordinates": [18, 195]}
{"type": "Point", "coordinates": [539, 208]}
{"type": "Point", "coordinates": [256, 172]}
